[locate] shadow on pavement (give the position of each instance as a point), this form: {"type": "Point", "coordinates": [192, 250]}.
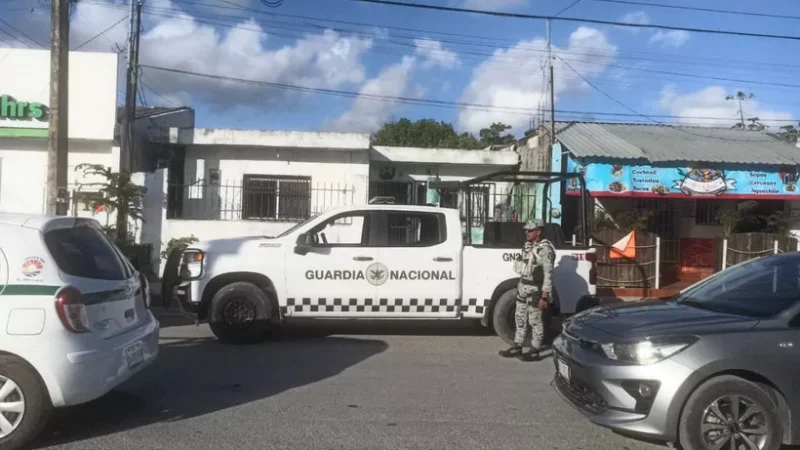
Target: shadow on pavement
{"type": "Point", "coordinates": [358, 327]}
{"type": "Point", "coordinates": [199, 376]}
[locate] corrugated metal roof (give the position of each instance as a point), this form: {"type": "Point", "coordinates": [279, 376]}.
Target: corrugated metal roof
{"type": "Point", "coordinates": [666, 143]}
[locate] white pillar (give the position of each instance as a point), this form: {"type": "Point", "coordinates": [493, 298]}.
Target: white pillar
{"type": "Point", "coordinates": [724, 253]}
{"type": "Point", "coordinates": [658, 262]}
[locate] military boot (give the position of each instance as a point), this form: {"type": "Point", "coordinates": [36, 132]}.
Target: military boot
{"type": "Point", "coordinates": [530, 356]}
{"type": "Point", "coordinates": [513, 351]}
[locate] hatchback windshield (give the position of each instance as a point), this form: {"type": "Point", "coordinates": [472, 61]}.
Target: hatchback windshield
{"type": "Point", "coordinates": [759, 288]}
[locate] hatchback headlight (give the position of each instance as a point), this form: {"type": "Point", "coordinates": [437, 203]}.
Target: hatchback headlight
{"type": "Point", "coordinates": [647, 351]}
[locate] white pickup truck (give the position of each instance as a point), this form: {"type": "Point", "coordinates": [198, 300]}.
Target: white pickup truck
{"type": "Point", "coordinates": [366, 262]}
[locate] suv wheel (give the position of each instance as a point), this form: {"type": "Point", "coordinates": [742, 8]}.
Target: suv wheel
{"type": "Point", "coordinates": [240, 314]}
{"type": "Point", "coordinates": [24, 403]}
{"type": "Point", "coordinates": [726, 409]}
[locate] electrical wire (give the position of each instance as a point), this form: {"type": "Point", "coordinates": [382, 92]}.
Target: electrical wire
{"type": "Point", "coordinates": [22, 33]}
{"type": "Point", "coordinates": [419, 101]}
{"type": "Point", "coordinates": [575, 19]}
{"type": "Point", "coordinates": [692, 8]}
{"type": "Point", "coordinates": [102, 33]}
{"type": "Point", "coordinates": [15, 38]}
{"type": "Point", "coordinates": [650, 118]}
{"type": "Point", "coordinates": [513, 67]}
{"type": "Point", "coordinates": [656, 57]}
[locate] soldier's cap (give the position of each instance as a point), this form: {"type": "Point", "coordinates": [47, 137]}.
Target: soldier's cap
{"type": "Point", "coordinates": [533, 224]}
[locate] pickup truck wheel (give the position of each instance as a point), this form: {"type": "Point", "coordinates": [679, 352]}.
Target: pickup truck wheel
{"type": "Point", "coordinates": [24, 403]}
{"type": "Point", "coordinates": [240, 313]}
{"type": "Point", "coordinates": [503, 317]}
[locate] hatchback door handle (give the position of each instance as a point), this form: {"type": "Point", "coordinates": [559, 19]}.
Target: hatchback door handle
{"type": "Point", "coordinates": [442, 259]}
{"type": "Point", "coordinates": [362, 258]}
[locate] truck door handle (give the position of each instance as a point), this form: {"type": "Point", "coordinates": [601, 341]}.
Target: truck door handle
{"type": "Point", "coordinates": [362, 258]}
{"type": "Point", "coordinates": [442, 259]}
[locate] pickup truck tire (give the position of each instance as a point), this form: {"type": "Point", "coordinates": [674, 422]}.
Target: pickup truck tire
{"type": "Point", "coordinates": [29, 393]}
{"type": "Point", "coordinates": [503, 317]}
{"type": "Point", "coordinates": [240, 313]}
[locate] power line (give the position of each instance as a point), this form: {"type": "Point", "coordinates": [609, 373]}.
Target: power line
{"type": "Point", "coordinates": [15, 38]}
{"type": "Point", "coordinates": [101, 33]}
{"type": "Point", "coordinates": [566, 8]}
{"type": "Point", "coordinates": [575, 19]}
{"type": "Point", "coordinates": [640, 114]}
{"type": "Point", "coordinates": [22, 33]}
{"type": "Point", "coordinates": [415, 101]}
{"type": "Point", "coordinates": [657, 57]}
{"type": "Point", "coordinates": [510, 61]}
{"type": "Point", "coordinates": [692, 8]}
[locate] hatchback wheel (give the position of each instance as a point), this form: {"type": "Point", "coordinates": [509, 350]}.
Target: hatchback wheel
{"type": "Point", "coordinates": [729, 412]}
{"type": "Point", "coordinates": [24, 403]}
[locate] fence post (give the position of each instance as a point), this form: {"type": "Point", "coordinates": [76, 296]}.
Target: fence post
{"type": "Point", "coordinates": [575, 240]}
{"type": "Point", "coordinates": [775, 247]}
{"type": "Point", "coordinates": [724, 253]}
{"type": "Point", "coordinates": [798, 244]}
{"type": "Point", "coordinates": [591, 242]}
{"type": "Point", "coordinates": [658, 262]}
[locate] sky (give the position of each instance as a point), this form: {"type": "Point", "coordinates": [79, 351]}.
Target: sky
{"type": "Point", "coordinates": [346, 66]}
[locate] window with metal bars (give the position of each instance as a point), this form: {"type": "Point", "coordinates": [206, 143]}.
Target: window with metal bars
{"type": "Point", "coordinates": [269, 197]}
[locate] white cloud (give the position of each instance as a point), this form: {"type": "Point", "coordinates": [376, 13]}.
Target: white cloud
{"type": "Point", "coordinates": [434, 55]}
{"type": "Point", "coordinates": [498, 81]}
{"type": "Point", "coordinates": [327, 59]}
{"type": "Point", "coordinates": [672, 38]}
{"type": "Point", "coordinates": [710, 102]}
{"type": "Point", "coordinates": [494, 5]}
{"type": "Point", "coordinates": [367, 115]}
{"type": "Point", "coordinates": [637, 17]}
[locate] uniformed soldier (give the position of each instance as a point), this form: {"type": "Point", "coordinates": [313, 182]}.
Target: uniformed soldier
{"type": "Point", "coordinates": [533, 290]}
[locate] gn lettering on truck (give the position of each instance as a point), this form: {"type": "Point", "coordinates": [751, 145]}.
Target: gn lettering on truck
{"type": "Point", "coordinates": [371, 261]}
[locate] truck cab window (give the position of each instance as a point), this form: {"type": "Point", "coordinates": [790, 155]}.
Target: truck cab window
{"type": "Point", "coordinates": [342, 230]}
{"type": "Point", "coordinates": [413, 229]}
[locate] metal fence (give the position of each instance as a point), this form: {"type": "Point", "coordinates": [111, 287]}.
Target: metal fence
{"type": "Point", "coordinates": [265, 198]}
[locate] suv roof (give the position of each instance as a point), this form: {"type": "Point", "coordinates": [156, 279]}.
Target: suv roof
{"type": "Point", "coordinates": [35, 221]}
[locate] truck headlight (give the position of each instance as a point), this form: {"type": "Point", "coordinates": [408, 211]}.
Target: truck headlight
{"type": "Point", "coordinates": [192, 261]}
{"type": "Point", "coordinates": [647, 351]}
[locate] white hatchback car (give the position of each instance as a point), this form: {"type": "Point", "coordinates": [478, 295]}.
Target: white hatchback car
{"type": "Point", "coordinates": [74, 320]}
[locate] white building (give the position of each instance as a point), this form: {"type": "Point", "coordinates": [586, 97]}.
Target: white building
{"type": "Point", "coordinates": [24, 100]}
{"type": "Point", "coordinates": [93, 129]}
{"type": "Point", "coordinates": [224, 183]}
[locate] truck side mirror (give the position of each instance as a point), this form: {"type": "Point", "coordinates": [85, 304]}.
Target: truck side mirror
{"type": "Point", "coordinates": [303, 244]}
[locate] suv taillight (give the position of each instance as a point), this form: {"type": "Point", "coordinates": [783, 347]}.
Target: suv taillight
{"type": "Point", "coordinates": [592, 258]}
{"type": "Point", "coordinates": [72, 311]}
{"type": "Point", "coordinates": [145, 285]}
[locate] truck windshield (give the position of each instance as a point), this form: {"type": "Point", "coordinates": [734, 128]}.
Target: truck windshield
{"type": "Point", "coordinates": [297, 226]}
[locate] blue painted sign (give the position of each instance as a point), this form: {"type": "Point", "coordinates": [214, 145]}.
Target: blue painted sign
{"type": "Point", "coordinates": [604, 179]}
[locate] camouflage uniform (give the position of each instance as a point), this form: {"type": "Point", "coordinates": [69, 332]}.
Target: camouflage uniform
{"type": "Point", "coordinates": [536, 277]}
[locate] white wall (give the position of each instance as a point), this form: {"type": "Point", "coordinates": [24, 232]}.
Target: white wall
{"type": "Point", "coordinates": [25, 75]}
{"type": "Point", "coordinates": [338, 178]}
{"type": "Point", "coordinates": [23, 171]}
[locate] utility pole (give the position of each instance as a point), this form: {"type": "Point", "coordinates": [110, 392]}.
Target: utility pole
{"type": "Point", "coordinates": [129, 115]}
{"type": "Point", "coordinates": [552, 88]}
{"type": "Point", "coordinates": [56, 199]}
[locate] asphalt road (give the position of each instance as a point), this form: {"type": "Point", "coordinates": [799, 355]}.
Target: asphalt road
{"type": "Point", "coordinates": [334, 385]}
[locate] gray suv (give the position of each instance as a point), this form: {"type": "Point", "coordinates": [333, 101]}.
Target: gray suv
{"type": "Point", "coordinates": [714, 367]}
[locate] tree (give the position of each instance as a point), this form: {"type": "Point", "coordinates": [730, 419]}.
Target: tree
{"type": "Point", "coordinates": [789, 133]}
{"type": "Point", "coordinates": [429, 133]}
{"type": "Point", "coordinates": [114, 193]}
{"type": "Point", "coordinates": [494, 135]}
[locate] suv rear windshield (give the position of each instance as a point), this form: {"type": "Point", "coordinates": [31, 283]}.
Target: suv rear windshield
{"type": "Point", "coordinates": [85, 252]}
